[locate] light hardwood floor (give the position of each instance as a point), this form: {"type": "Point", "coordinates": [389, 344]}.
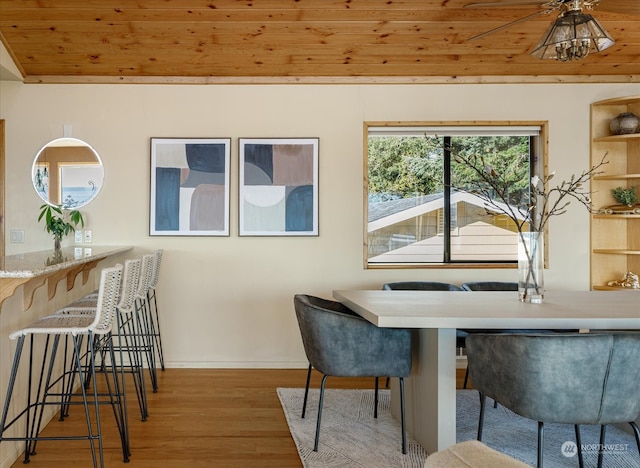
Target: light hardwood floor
{"type": "Point", "coordinates": [198, 418]}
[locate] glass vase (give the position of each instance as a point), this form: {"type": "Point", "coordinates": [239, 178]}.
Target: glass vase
{"type": "Point", "coordinates": [531, 267]}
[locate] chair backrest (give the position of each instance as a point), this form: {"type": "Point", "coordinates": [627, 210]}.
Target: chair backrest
{"type": "Point", "coordinates": [130, 282]}
{"type": "Point", "coordinates": [421, 286]}
{"type": "Point", "coordinates": [77, 322]}
{"type": "Point", "coordinates": [339, 342]}
{"type": "Point", "coordinates": [561, 378]}
{"type": "Point", "coordinates": [146, 273]}
{"type": "Point", "coordinates": [620, 400]}
{"type": "Point", "coordinates": [156, 268]}
{"type": "Point", "coordinates": [108, 294]}
{"type": "Point", "coordinates": [490, 286]}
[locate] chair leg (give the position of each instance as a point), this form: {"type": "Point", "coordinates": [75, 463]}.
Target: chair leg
{"type": "Point", "coordinates": [42, 391]}
{"type": "Point", "coordinates": [118, 395]}
{"type": "Point", "coordinates": [98, 459]}
{"type": "Point", "coordinates": [603, 432]}
{"type": "Point", "coordinates": [306, 392]}
{"type": "Point", "coordinates": [128, 340]}
{"type": "Point", "coordinates": [636, 432]}
{"type": "Point", "coordinates": [147, 341]}
{"type": "Point", "coordinates": [540, 442]}
{"type": "Point", "coordinates": [36, 401]}
{"type": "Point", "coordinates": [315, 445]}
{"type": "Point", "coordinates": [33, 407]}
{"type": "Point", "coordinates": [375, 401]}
{"type": "Point", "coordinates": [466, 377]}
{"type": "Point", "coordinates": [158, 335]}
{"type": "Point", "coordinates": [150, 335]}
{"type": "Point", "coordinates": [403, 422]}
{"type": "Point", "coordinates": [12, 381]}
{"type": "Point", "coordinates": [66, 364]}
{"type": "Point", "coordinates": [579, 444]}
{"type": "Point", "coordinates": [483, 400]}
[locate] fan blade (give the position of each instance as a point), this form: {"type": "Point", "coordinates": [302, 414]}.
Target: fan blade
{"type": "Point", "coordinates": [623, 7]}
{"type": "Point", "coordinates": [508, 25]}
{"type": "Point", "coordinates": [506, 3]}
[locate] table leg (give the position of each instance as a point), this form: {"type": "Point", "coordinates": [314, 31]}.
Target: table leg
{"type": "Point", "coordinates": [430, 391]}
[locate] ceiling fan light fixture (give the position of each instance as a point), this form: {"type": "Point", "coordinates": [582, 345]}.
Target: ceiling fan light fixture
{"type": "Point", "coordinates": [571, 37]}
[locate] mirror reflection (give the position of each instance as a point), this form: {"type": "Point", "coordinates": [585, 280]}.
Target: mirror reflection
{"type": "Point", "coordinates": [67, 172]}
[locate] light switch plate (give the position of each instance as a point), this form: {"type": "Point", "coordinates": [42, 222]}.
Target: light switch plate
{"type": "Point", "coordinates": [78, 236]}
{"type": "Point", "coordinates": [17, 236]}
{"type": "Point", "coordinates": [88, 236]}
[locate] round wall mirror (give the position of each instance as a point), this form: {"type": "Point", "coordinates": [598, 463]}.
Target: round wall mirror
{"type": "Point", "coordinates": [67, 172]}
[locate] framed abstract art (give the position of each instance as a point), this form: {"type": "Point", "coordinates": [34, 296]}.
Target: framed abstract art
{"type": "Point", "coordinates": [278, 189]}
{"type": "Point", "coordinates": [189, 187]}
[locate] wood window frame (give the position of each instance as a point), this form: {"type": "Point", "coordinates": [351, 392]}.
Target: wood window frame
{"type": "Point", "coordinates": [541, 168]}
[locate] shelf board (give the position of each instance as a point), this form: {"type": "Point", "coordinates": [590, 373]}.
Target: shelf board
{"type": "Point", "coordinates": [618, 138]}
{"type": "Point", "coordinates": [619, 101]}
{"type": "Point", "coordinates": [617, 177]}
{"type": "Point", "coordinates": [616, 216]}
{"type": "Point", "coordinates": [604, 287]}
{"type": "Point", "coordinates": [617, 251]}
{"type": "Point", "coordinates": [620, 229]}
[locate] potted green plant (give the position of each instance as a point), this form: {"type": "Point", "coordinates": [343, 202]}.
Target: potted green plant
{"type": "Point", "coordinates": [59, 222]}
{"type": "Point", "coordinates": [625, 196]}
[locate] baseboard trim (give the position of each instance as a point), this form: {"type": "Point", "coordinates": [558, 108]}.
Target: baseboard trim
{"type": "Point", "coordinates": [237, 364]}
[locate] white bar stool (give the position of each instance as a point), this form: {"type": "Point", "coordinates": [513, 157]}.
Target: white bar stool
{"type": "Point", "coordinates": [75, 326]}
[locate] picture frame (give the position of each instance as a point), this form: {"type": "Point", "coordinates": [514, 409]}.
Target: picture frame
{"type": "Point", "coordinates": [278, 186]}
{"type": "Point", "coordinates": [190, 186]}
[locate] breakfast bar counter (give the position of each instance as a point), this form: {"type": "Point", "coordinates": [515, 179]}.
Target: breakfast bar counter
{"type": "Point", "coordinates": [66, 275]}
{"type": "Point", "coordinates": [32, 269]}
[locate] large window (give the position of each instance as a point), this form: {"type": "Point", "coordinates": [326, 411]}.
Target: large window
{"type": "Point", "coordinates": [422, 207]}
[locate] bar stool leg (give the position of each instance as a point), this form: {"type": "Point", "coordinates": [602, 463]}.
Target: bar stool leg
{"type": "Point", "coordinates": [42, 391]}
{"type": "Point", "coordinates": [118, 394]}
{"type": "Point", "coordinates": [133, 343]}
{"type": "Point", "coordinates": [7, 400]}
{"type": "Point", "coordinates": [147, 340]}
{"type": "Point", "coordinates": [156, 326]}
{"type": "Point", "coordinates": [96, 403]}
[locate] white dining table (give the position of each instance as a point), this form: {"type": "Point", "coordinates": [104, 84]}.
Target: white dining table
{"type": "Point", "coordinates": [430, 391]}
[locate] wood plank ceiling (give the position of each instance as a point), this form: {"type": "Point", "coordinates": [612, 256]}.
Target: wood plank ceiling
{"type": "Point", "coordinates": [211, 41]}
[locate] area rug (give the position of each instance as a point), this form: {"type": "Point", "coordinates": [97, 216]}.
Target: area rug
{"type": "Point", "coordinates": [351, 437]}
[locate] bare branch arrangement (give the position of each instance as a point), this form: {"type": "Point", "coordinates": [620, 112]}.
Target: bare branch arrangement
{"type": "Point", "coordinates": [545, 200]}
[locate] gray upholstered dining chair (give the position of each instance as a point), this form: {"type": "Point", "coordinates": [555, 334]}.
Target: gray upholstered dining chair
{"type": "Point", "coordinates": [560, 378]}
{"type": "Point", "coordinates": [428, 286]}
{"type": "Point", "coordinates": [495, 286]}
{"type": "Point", "coordinates": [489, 286]}
{"type": "Point", "coordinates": [421, 286]}
{"type": "Point", "coordinates": [338, 342]}
{"type": "Point", "coordinates": [484, 286]}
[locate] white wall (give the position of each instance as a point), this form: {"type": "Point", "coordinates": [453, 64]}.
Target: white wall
{"type": "Point", "coordinates": [227, 302]}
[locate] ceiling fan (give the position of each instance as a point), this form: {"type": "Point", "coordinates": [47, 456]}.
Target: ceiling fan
{"type": "Point", "coordinates": [574, 33]}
